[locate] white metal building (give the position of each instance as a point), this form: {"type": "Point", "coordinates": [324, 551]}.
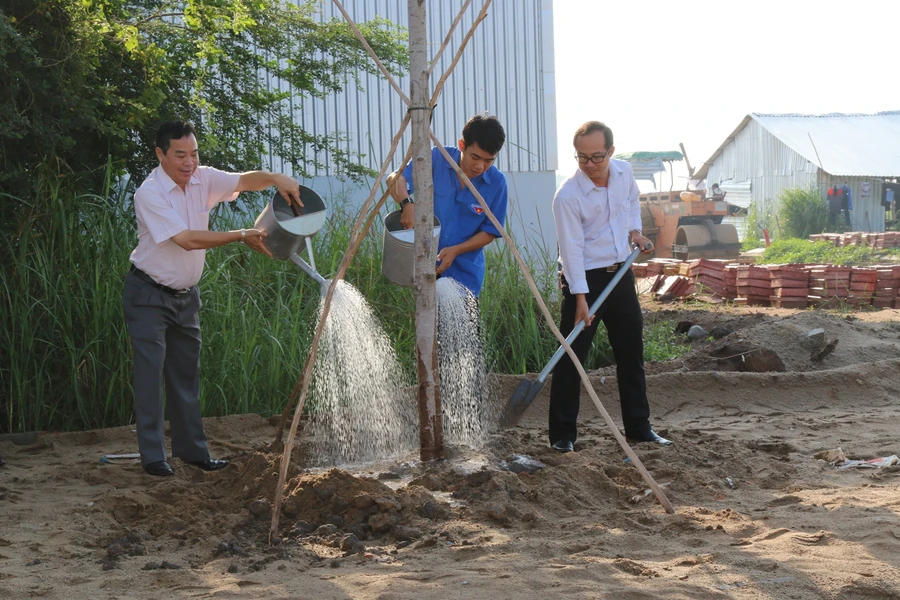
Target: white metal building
{"type": "Point", "coordinates": [506, 70]}
{"type": "Point", "coordinates": [768, 153]}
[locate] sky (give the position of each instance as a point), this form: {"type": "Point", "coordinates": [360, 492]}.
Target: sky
{"type": "Point", "coordinates": [660, 72]}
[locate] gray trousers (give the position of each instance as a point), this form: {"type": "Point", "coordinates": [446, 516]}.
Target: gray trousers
{"type": "Point", "coordinates": [165, 338]}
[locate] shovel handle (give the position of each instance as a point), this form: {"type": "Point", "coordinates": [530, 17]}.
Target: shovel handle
{"type": "Point", "coordinates": [579, 327]}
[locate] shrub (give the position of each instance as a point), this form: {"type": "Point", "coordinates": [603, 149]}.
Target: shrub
{"type": "Point", "coordinates": [801, 212]}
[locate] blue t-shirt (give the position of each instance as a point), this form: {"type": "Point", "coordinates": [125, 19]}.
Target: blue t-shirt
{"type": "Point", "coordinates": [461, 215]}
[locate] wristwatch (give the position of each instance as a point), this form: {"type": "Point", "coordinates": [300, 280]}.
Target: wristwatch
{"type": "Point", "coordinates": [243, 233]}
{"type": "Point", "coordinates": [407, 200]}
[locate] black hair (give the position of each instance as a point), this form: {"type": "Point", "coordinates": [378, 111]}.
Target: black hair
{"type": "Point", "coordinates": [172, 130]}
{"type": "Point", "coordinates": [486, 131]}
{"type": "Point", "coordinates": [592, 126]}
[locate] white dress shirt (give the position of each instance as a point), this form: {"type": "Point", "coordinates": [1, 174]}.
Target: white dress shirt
{"type": "Point", "coordinates": [164, 210]}
{"type": "Point", "coordinates": [593, 223]}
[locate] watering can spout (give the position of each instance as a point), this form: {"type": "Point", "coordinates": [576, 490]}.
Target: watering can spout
{"type": "Point", "coordinates": [295, 258]}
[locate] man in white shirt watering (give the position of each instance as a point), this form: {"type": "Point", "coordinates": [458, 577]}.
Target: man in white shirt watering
{"type": "Point", "coordinates": [160, 297]}
{"type": "Point", "coordinates": [598, 215]}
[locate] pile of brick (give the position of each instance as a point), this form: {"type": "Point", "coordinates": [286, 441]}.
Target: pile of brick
{"type": "Point", "coordinates": [887, 287]}
{"type": "Point", "coordinates": [754, 285]}
{"type": "Point", "coordinates": [790, 286]}
{"type": "Point", "coordinates": [782, 286]}
{"type": "Point", "coordinates": [709, 275]}
{"type": "Point", "coordinates": [888, 239]}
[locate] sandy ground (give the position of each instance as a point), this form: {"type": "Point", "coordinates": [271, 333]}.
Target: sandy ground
{"type": "Point", "coordinates": [757, 516]}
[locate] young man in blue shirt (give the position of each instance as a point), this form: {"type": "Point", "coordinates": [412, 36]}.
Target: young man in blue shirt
{"type": "Point", "coordinates": [465, 228]}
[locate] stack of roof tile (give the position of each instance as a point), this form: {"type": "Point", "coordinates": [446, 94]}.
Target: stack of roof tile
{"type": "Point", "coordinates": [753, 285]}
{"type": "Point", "coordinates": [731, 282]}
{"type": "Point", "coordinates": [827, 282]}
{"type": "Point", "coordinates": [710, 275]}
{"type": "Point", "coordinates": [862, 285]}
{"type": "Point", "coordinates": [790, 286]}
{"type": "Point", "coordinates": [886, 286]}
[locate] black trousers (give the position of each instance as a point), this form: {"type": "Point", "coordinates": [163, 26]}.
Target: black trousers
{"type": "Point", "coordinates": [165, 337]}
{"type": "Point", "coordinates": [621, 314]}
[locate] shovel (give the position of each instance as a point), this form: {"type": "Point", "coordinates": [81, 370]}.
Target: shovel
{"type": "Point", "coordinates": [527, 390]}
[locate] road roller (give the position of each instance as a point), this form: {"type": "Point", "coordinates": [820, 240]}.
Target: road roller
{"type": "Point", "coordinates": [687, 225]}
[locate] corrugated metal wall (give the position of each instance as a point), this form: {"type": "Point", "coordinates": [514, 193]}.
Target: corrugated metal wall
{"type": "Point", "coordinates": [758, 157]}
{"type": "Point", "coordinates": [506, 70]}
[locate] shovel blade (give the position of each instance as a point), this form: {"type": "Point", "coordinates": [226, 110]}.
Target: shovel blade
{"type": "Point", "coordinates": [519, 402]}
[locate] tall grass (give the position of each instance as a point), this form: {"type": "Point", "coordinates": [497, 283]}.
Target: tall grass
{"type": "Point", "coordinates": [65, 355]}
{"type": "Point", "coordinates": [802, 212]}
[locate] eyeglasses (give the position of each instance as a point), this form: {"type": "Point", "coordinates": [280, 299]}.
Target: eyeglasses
{"type": "Point", "coordinates": [596, 158]}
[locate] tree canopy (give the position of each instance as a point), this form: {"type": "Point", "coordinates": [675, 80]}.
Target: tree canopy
{"type": "Point", "coordinates": [83, 82]}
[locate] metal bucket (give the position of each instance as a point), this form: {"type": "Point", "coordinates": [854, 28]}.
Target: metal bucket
{"type": "Point", "coordinates": [398, 259]}
{"type": "Point", "coordinates": [288, 225]}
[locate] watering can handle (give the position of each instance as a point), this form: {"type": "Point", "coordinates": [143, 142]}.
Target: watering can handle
{"type": "Point", "coordinates": [296, 209]}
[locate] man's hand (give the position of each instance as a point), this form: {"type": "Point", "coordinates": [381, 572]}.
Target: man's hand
{"type": "Point", "coordinates": [581, 310]}
{"type": "Point", "coordinates": [446, 258]}
{"type": "Point", "coordinates": [408, 216]}
{"type": "Point", "coordinates": [641, 242]}
{"type": "Point", "coordinates": [254, 240]}
{"type": "Point", "coordinates": [289, 189]}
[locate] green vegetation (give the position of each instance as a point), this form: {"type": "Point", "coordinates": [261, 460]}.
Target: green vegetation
{"type": "Point", "coordinates": [64, 348]}
{"type": "Point", "coordinates": [755, 225]}
{"type": "Point", "coordinates": [799, 251]}
{"type": "Point", "coordinates": [84, 80]}
{"type": "Point", "coordinates": [801, 212]}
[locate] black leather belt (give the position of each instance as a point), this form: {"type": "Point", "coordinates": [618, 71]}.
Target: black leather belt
{"type": "Point", "coordinates": [610, 269]}
{"type": "Point", "coordinates": [146, 278]}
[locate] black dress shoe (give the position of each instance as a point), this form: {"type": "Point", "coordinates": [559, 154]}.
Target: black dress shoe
{"type": "Point", "coordinates": [210, 464]}
{"type": "Point", "coordinates": [563, 446]}
{"type": "Point", "coordinates": [650, 436]}
{"type": "Point", "coordinates": [159, 469]}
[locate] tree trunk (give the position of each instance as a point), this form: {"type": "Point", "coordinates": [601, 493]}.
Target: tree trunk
{"type": "Point", "coordinates": [431, 432]}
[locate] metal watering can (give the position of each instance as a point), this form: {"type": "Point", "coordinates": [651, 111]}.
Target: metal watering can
{"type": "Point", "coordinates": [290, 227]}
{"type": "Point", "coordinates": [398, 258]}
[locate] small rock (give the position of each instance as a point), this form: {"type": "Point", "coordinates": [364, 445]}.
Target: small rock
{"type": "Point", "coordinates": [434, 511]}
{"type": "Point", "coordinates": [820, 355]}
{"type": "Point", "coordinates": [429, 482]}
{"type": "Point", "coordinates": [406, 534]}
{"type": "Point", "coordinates": [260, 508]}
{"type": "Point", "coordinates": [326, 530]}
{"type": "Point", "coordinates": [518, 463]}
{"type": "Point", "coordinates": [303, 528]}
{"type": "Point", "coordinates": [350, 544]}
{"type": "Point", "coordinates": [720, 331]}
{"type": "Point", "coordinates": [682, 327]}
{"type": "Point", "coordinates": [337, 521]}
{"type": "Point", "coordinates": [334, 564]}
{"type": "Point", "coordinates": [696, 333]}
{"type": "Point", "coordinates": [231, 548]}
{"type": "Point", "coordinates": [428, 542]}
{"type": "Point", "coordinates": [232, 568]}
{"type": "Point", "coordinates": [33, 563]}
{"type": "Point", "coordinates": [813, 339]}
{"type": "Point", "coordinates": [479, 478]}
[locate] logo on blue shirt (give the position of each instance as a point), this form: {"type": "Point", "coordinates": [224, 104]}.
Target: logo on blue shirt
{"type": "Point", "coordinates": [476, 208]}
